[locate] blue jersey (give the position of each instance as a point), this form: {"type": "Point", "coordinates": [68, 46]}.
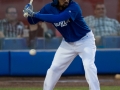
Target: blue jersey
{"type": "Point", "coordinates": [72, 28]}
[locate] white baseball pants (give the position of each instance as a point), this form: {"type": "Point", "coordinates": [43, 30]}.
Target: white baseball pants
{"type": "Point", "coordinates": [65, 54]}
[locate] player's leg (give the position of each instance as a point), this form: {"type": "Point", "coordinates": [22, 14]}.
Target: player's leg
{"type": "Point", "coordinates": [87, 53]}
{"type": "Point", "coordinates": [63, 57]}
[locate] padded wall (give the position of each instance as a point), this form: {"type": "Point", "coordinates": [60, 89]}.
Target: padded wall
{"type": "Point", "coordinates": [4, 63]}
{"type": "Point", "coordinates": [108, 61]}
{"type": "Point", "coordinates": [24, 64]}
{"type": "Point", "coordinates": [20, 63]}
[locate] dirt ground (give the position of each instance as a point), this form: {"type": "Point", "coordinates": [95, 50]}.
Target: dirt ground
{"type": "Point", "coordinates": [65, 81]}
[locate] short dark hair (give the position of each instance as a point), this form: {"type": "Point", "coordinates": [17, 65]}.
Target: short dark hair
{"type": "Point", "coordinates": [9, 8]}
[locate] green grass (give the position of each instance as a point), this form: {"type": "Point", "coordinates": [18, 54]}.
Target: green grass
{"type": "Point", "coordinates": [66, 88]}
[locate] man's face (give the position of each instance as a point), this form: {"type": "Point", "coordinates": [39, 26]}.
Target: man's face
{"type": "Point", "coordinates": [11, 14]}
{"type": "Point", "coordinates": [63, 3]}
{"type": "Point", "coordinates": [100, 10]}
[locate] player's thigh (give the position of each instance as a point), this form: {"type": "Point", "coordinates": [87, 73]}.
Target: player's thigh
{"type": "Point", "coordinates": [88, 50]}
{"type": "Point", "coordinates": [64, 55]}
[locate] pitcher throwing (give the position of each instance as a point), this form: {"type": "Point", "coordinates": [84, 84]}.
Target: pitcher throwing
{"type": "Point", "coordinates": [78, 39]}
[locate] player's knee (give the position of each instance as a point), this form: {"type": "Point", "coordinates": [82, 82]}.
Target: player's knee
{"type": "Point", "coordinates": [89, 66]}
{"type": "Point", "coordinates": [56, 67]}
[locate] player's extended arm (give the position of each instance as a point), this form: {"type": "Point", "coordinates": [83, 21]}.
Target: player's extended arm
{"type": "Point", "coordinates": [53, 18]}
{"type": "Point", "coordinates": [46, 17]}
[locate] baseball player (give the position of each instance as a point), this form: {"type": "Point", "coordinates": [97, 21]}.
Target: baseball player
{"type": "Point", "coordinates": [78, 39]}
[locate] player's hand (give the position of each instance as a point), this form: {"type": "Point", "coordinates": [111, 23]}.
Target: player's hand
{"type": "Point", "coordinates": [28, 9]}
{"type": "Point", "coordinates": [28, 6]}
{"type": "Point", "coordinates": [29, 12]}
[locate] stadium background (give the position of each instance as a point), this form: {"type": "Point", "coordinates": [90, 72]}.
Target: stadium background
{"type": "Point", "coordinates": [86, 5]}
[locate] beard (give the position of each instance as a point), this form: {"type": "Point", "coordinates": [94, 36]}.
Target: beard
{"type": "Point", "coordinates": [64, 6]}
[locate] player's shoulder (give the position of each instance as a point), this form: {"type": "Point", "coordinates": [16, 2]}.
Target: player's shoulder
{"type": "Point", "coordinates": [48, 5]}
{"type": "Point", "coordinates": [46, 8]}
{"type": "Point", "coordinates": [74, 5]}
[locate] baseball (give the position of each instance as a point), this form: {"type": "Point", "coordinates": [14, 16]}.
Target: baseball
{"type": "Point", "coordinates": [117, 76]}
{"type": "Point", "coordinates": [32, 52]}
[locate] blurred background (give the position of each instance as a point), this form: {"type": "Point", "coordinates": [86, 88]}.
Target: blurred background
{"type": "Point", "coordinates": [15, 29]}
{"type": "Point", "coordinates": [17, 37]}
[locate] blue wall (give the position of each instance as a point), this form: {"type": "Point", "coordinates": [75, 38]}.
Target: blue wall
{"type": "Point", "coordinates": [4, 63]}
{"type": "Point", "coordinates": [20, 63]}
{"type": "Point", "coordinates": [108, 61]}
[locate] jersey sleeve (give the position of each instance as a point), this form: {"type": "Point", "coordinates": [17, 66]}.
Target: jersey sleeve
{"type": "Point", "coordinates": [70, 12]}
{"type": "Point", "coordinates": [73, 10]}
{"type": "Point", "coordinates": [51, 18]}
